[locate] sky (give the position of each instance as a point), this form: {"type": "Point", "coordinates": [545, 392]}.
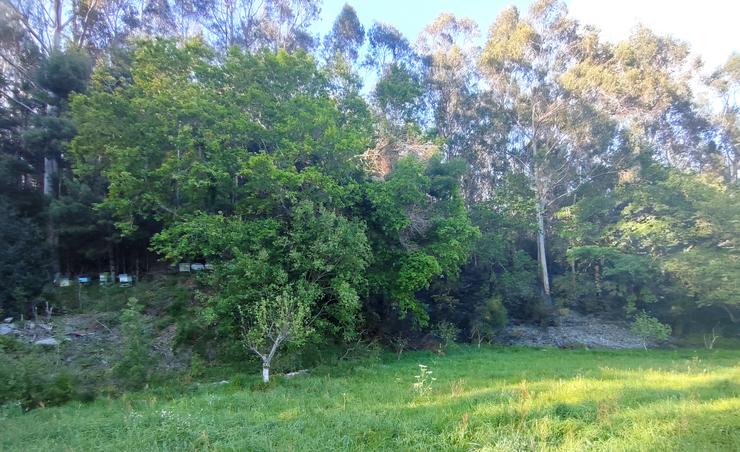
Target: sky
{"type": "Point", "coordinates": [709, 26]}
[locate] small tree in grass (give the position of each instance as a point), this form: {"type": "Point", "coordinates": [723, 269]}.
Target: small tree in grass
{"type": "Point", "coordinates": [649, 328]}
{"type": "Point", "coordinates": [447, 333]}
{"type": "Point", "coordinates": [273, 322]}
{"type": "Point", "coordinates": [275, 282]}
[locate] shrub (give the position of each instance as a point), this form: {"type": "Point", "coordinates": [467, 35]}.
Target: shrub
{"type": "Point", "coordinates": [133, 370]}
{"type": "Point", "coordinates": [649, 328]}
{"type": "Point", "coordinates": [34, 380]}
{"type": "Point", "coordinates": [446, 332]}
{"type": "Point", "coordinates": [490, 317]}
{"type": "Point", "coordinates": [197, 366]}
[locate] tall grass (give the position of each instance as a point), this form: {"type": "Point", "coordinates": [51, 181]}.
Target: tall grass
{"type": "Point", "coordinates": [482, 399]}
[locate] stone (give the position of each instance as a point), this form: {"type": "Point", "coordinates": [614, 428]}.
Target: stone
{"type": "Point", "coordinates": [6, 328]}
{"type": "Point", "coordinates": [8, 320]}
{"type": "Point", "coordinates": [49, 342]}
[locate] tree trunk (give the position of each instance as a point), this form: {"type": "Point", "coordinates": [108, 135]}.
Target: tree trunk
{"type": "Point", "coordinates": [111, 262]}
{"type": "Point", "coordinates": [265, 373]}
{"type": "Point", "coordinates": [52, 239]}
{"type": "Point", "coordinates": [540, 194]}
{"type": "Point", "coordinates": [50, 169]}
{"type": "Point", "coordinates": [58, 12]}
{"type": "Point", "coordinates": [542, 254]}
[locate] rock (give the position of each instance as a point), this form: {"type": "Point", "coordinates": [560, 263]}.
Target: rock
{"type": "Point", "coordinates": [573, 331]}
{"type": "Point", "coordinates": [296, 373]}
{"type": "Point", "coordinates": [49, 341]}
{"type": "Point", "coordinates": [6, 328]}
{"type": "Point", "coordinates": [8, 320]}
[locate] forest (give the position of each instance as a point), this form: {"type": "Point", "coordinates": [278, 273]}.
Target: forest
{"type": "Point", "coordinates": [361, 186]}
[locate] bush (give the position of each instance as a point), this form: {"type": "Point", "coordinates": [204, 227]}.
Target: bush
{"type": "Point", "coordinates": [197, 366]}
{"type": "Point", "coordinates": [649, 328]}
{"type": "Point", "coordinates": [33, 380]}
{"type": "Point", "coordinates": [490, 317]}
{"type": "Point", "coordinates": [446, 332]}
{"type": "Point", "coordinates": [134, 368]}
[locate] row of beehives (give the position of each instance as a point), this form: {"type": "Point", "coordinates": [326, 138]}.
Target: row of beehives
{"type": "Point", "coordinates": [185, 267]}
{"type": "Point", "coordinates": [124, 279]}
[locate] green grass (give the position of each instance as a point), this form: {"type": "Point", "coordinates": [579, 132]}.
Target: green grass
{"type": "Point", "coordinates": [505, 399]}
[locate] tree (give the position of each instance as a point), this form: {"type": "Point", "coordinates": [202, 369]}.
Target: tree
{"type": "Point", "coordinates": [660, 240]}
{"type": "Point", "coordinates": [263, 185]}
{"type": "Point", "coordinates": [554, 136]}
{"type": "Point", "coordinates": [449, 59]}
{"type": "Point", "coordinates": [24, 262]}
{"type": "Point", "coordinates": [726, 83]}
{"type": "Point", "coordinates": [650, 328]}
{"type": "Point", "coordinates": [421, 233]}
{"type": "Point", "coordinates": [387, 46]}
{"type": "Point", "coordinates": [490, 317]}
{"type": "Point", "coordinates": [253, 25]}
{"type": "Point", "coordinates": [688, 223]}
{"type": "Point", "coordinates": [277, 283]}
{"type": "Point", "coordinates": [346, 36]}
{"type": "Point", "coordinates": [272, 322]}
{"type": "Point", "coordinates": [644, 84]}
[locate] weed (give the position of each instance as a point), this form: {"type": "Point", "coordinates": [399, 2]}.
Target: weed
{"type": "Point", "coordinates": [423, 384]}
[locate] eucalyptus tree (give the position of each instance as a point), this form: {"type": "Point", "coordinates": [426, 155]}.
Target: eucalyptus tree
{"type": "Point", "coordinates": [341, 51]}
{"type": "Point", "coordinates": [725, 81]}
{"type": "Point", "coordinates": [398, 94]}
{"type": "Point", "coordinates": [449, 54]}
{"type": "Point", "coordinates": [462, 121]}
{"type": "Point", "coordinates": [647, 83]}
{"type": "Point", "coordinates": [347, 35]}
{"type": "Point", "coordinates": [555, 138]}
{"type": "Point", "coordinates": [256, 24]}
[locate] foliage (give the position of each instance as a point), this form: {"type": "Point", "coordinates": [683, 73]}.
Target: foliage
{"type": "Point", "coordinates": [461, 174]}
{"type": "Point", "coordinates": [649, 328]}
{"type": "Point", "coordinates": [488, 319]}
{"type": "Point", "coordinates": [422, 232]}
{"type": "Point", "coordinates": [64, 72]}
{"type": "Point", "coordinates": [446, 332]}
{"type": "Point", "coordinates": [33, 379]}
{"type": "Point", "coordinates": [25, 265]}
{"type": "Point", "coordinates": [647, 242]}
{"type": "Point", "coordinates": [134, 368]}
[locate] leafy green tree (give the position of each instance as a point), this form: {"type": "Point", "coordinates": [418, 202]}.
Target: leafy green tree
{"type": "Point", "coordinates": [421, 232]}
{"type": "Point", "coordinates": [25, 264]}
{"type": "Point", "coordinates": [649, 328]}
{"type": "Point", "coordinates": [661, 240]}
{"type": "Point", "coordinates": [554, 135]}
{"type": "Point", "coordinates": [689, 224]}
{"type": "Point", "coordinates": [135, 366]}
{"type": "Point", "coordinates": [277, 283]}
{"type": "Point", "coordinates": [347, 35]}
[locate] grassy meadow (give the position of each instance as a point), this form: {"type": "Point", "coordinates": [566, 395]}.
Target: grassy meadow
{"type": "Point", "coordinates": [507, 399]}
